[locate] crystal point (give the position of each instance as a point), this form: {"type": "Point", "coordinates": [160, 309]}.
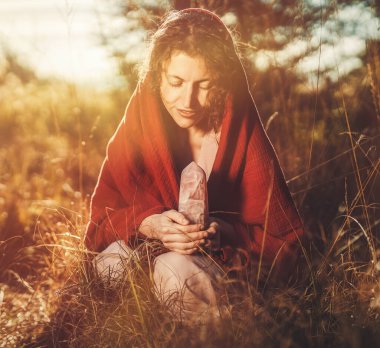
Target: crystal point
{"type": "Point", "coordinates": [193, 200]}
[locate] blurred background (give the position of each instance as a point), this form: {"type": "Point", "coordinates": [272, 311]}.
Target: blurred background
{"type": "Point", "coordinates": [68, 67]}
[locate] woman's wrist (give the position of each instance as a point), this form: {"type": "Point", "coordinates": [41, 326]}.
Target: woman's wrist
{"type": "Point", "coordinates": [147, 227]}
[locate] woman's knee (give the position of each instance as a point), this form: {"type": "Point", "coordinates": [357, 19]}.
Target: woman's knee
{"type": "Point", "coordinates": [173, 271]}
{"type": "Point", "coordinates": [111, 262]}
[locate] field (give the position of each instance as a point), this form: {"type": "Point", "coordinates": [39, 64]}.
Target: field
{"type": "Point", "coordinates": [52, 142]}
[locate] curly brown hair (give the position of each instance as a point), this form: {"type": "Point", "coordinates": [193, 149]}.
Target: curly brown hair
{"type": "Point", "coordinates": [197, 33]}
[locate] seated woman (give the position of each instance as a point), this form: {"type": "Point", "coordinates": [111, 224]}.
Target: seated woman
{"type": "Point", "coordinates": [193, 103]}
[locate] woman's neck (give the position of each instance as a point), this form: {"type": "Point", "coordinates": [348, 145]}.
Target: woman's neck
{"type": "Point", "coordinates": [198, 131]}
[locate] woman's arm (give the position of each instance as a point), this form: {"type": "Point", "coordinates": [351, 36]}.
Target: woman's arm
{"type": "Point", "coordinates": [111, 217]}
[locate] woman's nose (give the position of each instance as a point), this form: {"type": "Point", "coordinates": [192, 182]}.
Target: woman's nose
{"type": "Point", "coordinates": [188, 97]}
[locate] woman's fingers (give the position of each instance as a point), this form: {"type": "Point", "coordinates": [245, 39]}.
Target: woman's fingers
{"type": "Point", "coordinates": [183, 246]}
{"type": "Point", "coordinates": [182, 223]}
{"type": "Point", "coordinates": [213, 240]}
{"type": "Point", "coordinates": [184, 238]}
{"type": "Point", "coordinates": [176, 217]}
{"type": "Point", "coordinates": [212, 229]}
{"type": "Point", "coordinates": [189, 228]}
{"type": "Point", "coordinates": [168, 227]}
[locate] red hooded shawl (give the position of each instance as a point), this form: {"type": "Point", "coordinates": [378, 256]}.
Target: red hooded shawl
{"type": "Point", "coordinates": [246, 186]}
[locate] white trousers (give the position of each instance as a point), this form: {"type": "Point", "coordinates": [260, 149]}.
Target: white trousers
{"type": "Point", "coordinates": [188, 284]}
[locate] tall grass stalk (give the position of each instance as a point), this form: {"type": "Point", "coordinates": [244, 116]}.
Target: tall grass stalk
{"type": "Point", "coordinates": [50, 293]}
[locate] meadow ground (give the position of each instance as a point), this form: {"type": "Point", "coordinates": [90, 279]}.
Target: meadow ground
{"type": "Point", "coordinates": [53, 138]}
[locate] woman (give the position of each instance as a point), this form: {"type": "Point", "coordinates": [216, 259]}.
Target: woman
{"type": "Point", "coordinates": [193, 104]}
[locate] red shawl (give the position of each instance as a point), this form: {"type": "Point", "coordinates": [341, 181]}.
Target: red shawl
{"type": "Point", "coordinates": [246, 185]}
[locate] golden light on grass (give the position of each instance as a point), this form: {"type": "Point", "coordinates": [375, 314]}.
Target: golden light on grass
{"type": "Point", "coordinates": [53, 136]}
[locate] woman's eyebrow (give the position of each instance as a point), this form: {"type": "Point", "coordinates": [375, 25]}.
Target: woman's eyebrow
{"type": "Point", "coordinates": [207, 79]}
{"type": "Point", "coordinates": [175, 77]}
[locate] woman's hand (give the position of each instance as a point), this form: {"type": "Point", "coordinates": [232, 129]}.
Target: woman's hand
{"type": "Point", "coordinates": [218, 229]}
{"type": "Point", "coordinates": [174, 231]}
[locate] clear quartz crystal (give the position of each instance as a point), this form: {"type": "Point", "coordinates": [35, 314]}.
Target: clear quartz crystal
{"type": "Point", "coordinates": [193, 201]}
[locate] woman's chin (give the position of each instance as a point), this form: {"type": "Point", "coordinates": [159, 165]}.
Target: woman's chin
{"type": "Point", "coordinates": [185, 123]}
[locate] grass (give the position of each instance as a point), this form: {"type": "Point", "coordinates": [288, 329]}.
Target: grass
{"type": "Point", "coordinates": [53, 138]}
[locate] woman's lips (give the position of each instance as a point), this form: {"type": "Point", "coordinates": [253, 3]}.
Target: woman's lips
{"type": "Point", "coordinates": [186, 113]}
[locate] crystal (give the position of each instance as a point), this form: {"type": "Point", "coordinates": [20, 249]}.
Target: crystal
{"type": "Point", "coordinates": [193, 201]}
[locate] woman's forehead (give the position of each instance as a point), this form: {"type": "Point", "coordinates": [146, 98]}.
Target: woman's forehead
{"type": "Point", "coordinates": [185, 66]}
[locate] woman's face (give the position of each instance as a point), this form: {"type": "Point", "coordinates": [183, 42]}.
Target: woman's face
{"type": "Point", "coordinates": [185, 82]}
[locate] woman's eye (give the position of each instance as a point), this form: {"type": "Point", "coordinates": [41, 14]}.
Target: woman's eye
{"type": "Point", "coordinates": [175, 84]}
{"type": "Point", "coordinates": [205, 86]}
